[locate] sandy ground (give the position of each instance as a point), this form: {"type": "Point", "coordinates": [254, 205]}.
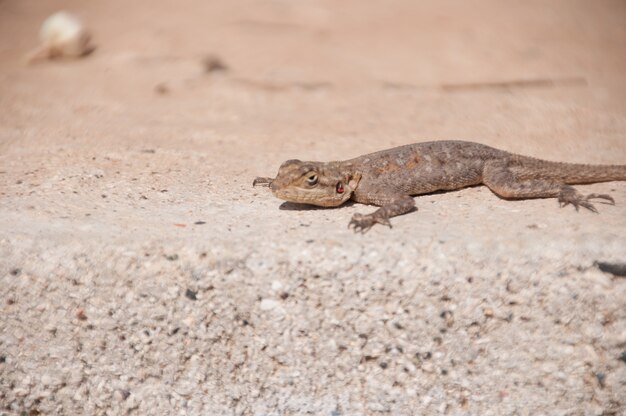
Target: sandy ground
{"type": "Point", "coordinates": [142, 274]}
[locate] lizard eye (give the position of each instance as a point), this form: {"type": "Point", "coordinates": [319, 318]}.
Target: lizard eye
{"type": "Point", "coordinates": [340, 189]}
{"type": "Point", "coordinates": [312, 180]}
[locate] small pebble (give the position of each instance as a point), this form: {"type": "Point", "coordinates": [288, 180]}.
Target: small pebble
{"type": "Point", "coordinates": [45, 380]}
{"type": "Point", "coordinates": [448, 317]}
{"type": "Point", "coordinates": [161, 89]}
{"type": "Point", "coordinates": [601, 377]}
{"type": "Point", "coordinates": [213, 63]}
{"type": "Point", "coordinates": [80, 314]}
{"type": "Point", "coordinates": [121, 395]}
{"type": "Point", "coordinates": [190, 294]}
{"type": "Point", "coordinates": [268, 304]}
{"type": "Point", "coordinates": [616, 269]}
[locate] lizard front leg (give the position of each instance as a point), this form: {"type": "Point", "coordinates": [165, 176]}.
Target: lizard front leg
{"type": "Point", "coordinates": [390, 206]}
{"type": "Point", "coordinates": [505, 183]}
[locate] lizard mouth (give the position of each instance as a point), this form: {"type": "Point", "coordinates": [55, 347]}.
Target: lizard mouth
{"type": "Point", "coordinates": [305, 197]}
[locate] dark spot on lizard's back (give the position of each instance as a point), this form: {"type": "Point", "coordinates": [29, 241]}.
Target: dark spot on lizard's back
{"type": "Point", "coordinates": [412, 162]}
{"type": "Point", "coordinates": [440, 158]}
{"type": "Point", "coordinates": [385, 166]}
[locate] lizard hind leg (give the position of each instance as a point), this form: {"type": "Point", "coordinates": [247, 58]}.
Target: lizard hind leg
{"type": "Point", "coordinates": [506, 184]}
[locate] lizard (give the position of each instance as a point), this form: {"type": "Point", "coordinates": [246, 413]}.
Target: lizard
{"type": "Point", "coordinates": [390, 178]}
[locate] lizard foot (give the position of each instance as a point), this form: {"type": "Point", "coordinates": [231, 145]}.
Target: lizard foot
{"type": "Point", "coordinates": [570, 195]}
{"type": "Point", "coordinates": [362, 223]}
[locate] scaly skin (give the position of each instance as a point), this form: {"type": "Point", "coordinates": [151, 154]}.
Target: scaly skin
{"type": "Point", "coordinates": [390, 178]}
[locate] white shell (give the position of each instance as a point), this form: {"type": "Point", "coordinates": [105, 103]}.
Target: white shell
{"type": "Point", "coordinates": [62, 35]}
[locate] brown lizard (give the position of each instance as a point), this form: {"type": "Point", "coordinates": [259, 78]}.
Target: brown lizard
{"type": "Point", "coordinates": [390, 178]}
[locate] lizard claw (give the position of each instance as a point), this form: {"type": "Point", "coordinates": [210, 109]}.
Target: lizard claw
{"type": "Point", "coordinates": [360, 224]}
{"type": "Point", "coordinates": [601, 196]}
{"type": "Point", "coordinates": [569, 195]}
{"type": "Point", "coordinates": [363, 223]}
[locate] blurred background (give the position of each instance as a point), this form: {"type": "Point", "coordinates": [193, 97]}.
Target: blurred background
{"type": "Point", "coordinates": [294, 75]}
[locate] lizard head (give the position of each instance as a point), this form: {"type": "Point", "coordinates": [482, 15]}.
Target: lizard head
{"type": "Point", "coordinates": [315, 183]}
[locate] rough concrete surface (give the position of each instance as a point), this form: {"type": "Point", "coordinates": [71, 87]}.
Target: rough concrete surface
{"type": "Point", "coordinates": [140, 273]}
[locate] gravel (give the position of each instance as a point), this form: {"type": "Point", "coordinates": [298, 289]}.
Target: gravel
{"type": "Point", "coordinates": [84, 336]}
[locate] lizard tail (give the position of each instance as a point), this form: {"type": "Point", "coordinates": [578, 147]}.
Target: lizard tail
{"type": "Point", "coordinates": [580, 174]}
{"type": "Point", "coordinates": [574, 173]}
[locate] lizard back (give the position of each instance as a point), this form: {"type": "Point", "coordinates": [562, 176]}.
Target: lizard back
{"type": "Point", "coordinates": [425, 167]}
